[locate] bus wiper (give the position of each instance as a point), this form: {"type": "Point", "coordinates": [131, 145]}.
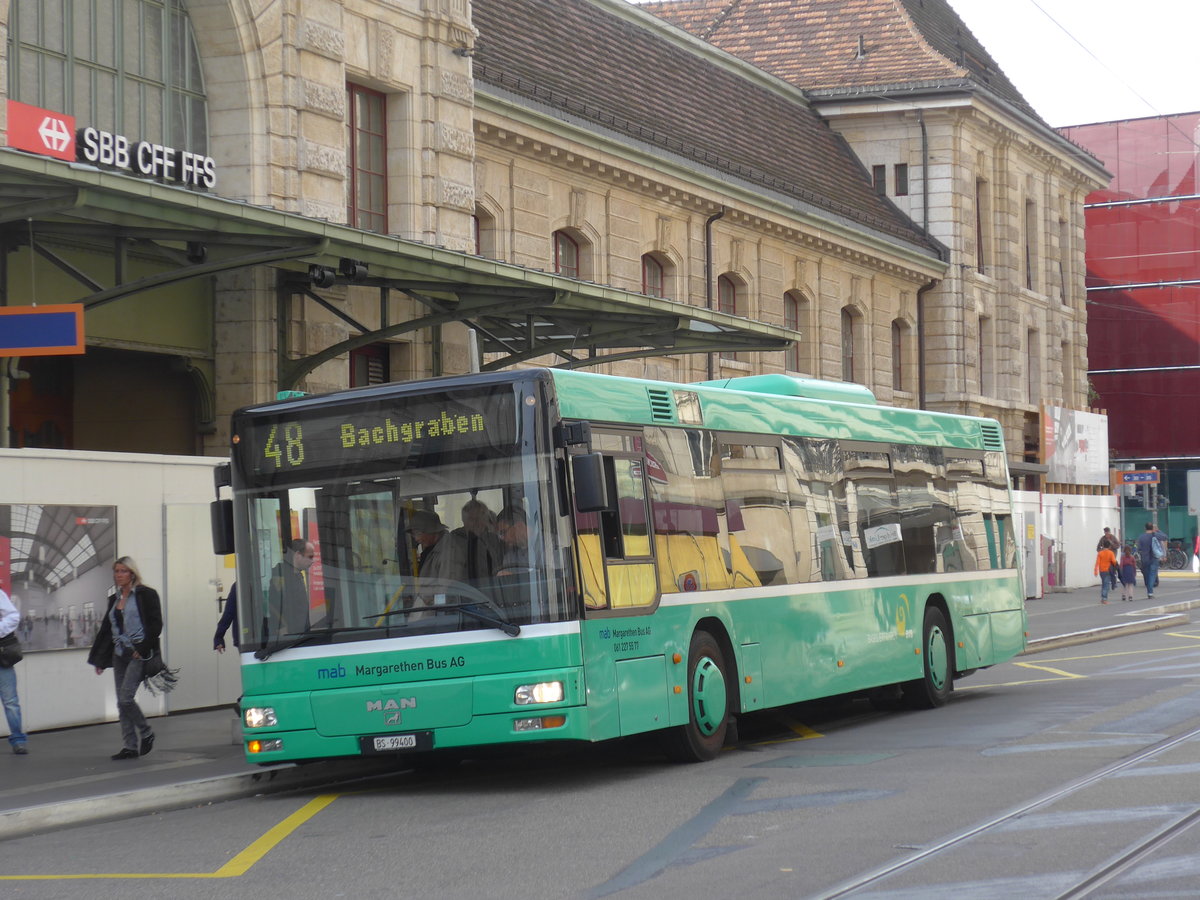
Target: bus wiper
{"type": "Point", "coordinates": [471, 609]}
{"type": "Point", "coordinates": [265, 653]}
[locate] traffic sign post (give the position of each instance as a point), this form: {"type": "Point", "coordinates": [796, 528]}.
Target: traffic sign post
{"type": "Point", "coordinates": [1137, 476]}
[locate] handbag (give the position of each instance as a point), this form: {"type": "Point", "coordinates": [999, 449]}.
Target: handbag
{"type": "Point", "coordinates": [10, 651]}
{"type": "Point", "coordinates": [157, 676]}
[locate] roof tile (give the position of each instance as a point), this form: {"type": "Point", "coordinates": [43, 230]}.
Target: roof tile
{"type": "Point", "coordinates": [584, 61]}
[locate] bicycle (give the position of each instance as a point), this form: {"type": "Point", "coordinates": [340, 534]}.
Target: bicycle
{"type": "Point", "coordinates": [1177, 557]}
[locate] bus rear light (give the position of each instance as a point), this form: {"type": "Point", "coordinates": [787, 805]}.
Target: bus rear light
{"type": "Point", "coordinates": [539, 724]}
{"type": "Point", "coordinates": [543, 692]}
{"type": "Point", "coordinates": [271, 746]}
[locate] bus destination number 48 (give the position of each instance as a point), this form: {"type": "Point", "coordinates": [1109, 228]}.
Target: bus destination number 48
{"type": "Point", "coordinates": [291, 448]}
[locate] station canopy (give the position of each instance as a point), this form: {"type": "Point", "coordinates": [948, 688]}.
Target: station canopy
{"type": "Point", "coordinates": [517, 313]}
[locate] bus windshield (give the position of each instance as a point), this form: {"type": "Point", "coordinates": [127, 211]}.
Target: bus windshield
{"type": "Point", "coordinates": [399, 517]}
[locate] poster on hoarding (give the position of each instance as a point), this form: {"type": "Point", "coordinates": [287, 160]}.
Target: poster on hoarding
{"type": "Point", "coordinates": [1076, 446]}
{"type": "Point", "coordinates": [56, 567]}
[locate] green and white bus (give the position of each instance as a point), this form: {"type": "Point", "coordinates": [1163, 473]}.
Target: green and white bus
{"type": "Point", "coordinates": [640, 556]}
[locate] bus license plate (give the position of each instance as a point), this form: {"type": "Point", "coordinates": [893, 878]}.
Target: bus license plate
{"type": "Point", "coordinates": [394, 743]}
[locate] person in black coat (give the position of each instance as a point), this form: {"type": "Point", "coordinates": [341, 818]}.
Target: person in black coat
{"type": "Point", "coordinates": [229, 619]}
{"type": "Point", "coordinates": [128, 636]}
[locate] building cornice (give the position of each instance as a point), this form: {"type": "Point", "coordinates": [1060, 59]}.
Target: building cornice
{"type": "Point", "coordinates": [551, 135]}
{"type": "Point", "coordinates": [949, 94]}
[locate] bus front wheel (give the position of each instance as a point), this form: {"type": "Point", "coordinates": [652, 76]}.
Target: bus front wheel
{"type": "Point", "coordinates": [703, 736]}
{"type": "Point", "coordinates": [933, 688]}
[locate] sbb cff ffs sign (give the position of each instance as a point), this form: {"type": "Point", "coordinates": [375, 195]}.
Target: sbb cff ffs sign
{"type": "Point", "coordinates": [48, 133]}
{"type": "Point", "coordinates": [144, 158]}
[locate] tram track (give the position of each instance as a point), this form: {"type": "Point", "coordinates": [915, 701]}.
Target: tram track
{"type": "Point", "coordinates": [1095, 879]}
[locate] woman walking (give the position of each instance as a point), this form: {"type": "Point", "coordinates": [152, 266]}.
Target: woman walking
{"type": "Point", "coordinates": [128, 636]}
{"type": "Point", "coordinates": [1128, 566]}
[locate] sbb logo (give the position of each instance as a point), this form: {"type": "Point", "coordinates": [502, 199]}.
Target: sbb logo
{"type": "Point", "coordinates": [55, 134]}
{"type": "Point", "coordinates": [41, 131]}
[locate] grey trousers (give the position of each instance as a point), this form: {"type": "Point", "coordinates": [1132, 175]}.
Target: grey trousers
{"type": "Point", "coordinates": [127, 673]}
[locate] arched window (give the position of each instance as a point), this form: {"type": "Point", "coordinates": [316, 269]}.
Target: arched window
{"type": "Point", "coordinates": [485, 233]}
{"type": "Point", "coordinates": [1031, 243]}
{"type": "Point", "coordinates": [1033, 366]}
{"type": "Point", "coordinates": [727, 295]}
{"type": "Point", "coordinates": [796, 318]}
{"type": "Point", "coordinates": [728, 301]}
{"type": "Point", "coordinates": [849, 340]}
{"type": "Point", "coordinates": [1068, 374]}
{"type": "Point", "coordinates": [899, 348]}
{"type": "Point", "coordinates": [987, 359]}
{"type": "Point", "coordinates": [654, 276]}
{"type": "Point", "coordinates": [983, 214]}
{"type": "Point", "coordinates": [566, 254]}
{"type": "Point", "coordinates": [135, 73]}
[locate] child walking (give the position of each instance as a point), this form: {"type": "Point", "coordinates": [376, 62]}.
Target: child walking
{"type": "Point", "coordinates": [1128, 573]}
{"type": "Point", "coordinates": [1106, 562]}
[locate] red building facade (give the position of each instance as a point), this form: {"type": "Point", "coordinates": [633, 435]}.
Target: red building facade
{"type": "Point", "coordinates": [1143, 284]}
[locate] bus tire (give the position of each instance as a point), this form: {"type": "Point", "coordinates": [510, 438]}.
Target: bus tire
{"type": "Point", "coordinates": [702, 738]}
{"type": "Point", "coordinates": [933, 688]}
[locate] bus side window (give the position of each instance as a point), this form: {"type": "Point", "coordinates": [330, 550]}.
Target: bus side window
{"type": "Point", "coordinates": [684, 497]}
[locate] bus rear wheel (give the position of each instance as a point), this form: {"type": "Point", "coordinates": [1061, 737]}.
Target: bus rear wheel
{"type": "Point", "coordinates": [703, 736]}
{"type": "Point", "coordinates": [933, 688]}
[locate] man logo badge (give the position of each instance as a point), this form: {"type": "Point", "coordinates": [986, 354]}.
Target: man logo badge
{"type": "Point", "coordinates": [389, 704]}
{"type": "Point", "coordinates": [393, 719]}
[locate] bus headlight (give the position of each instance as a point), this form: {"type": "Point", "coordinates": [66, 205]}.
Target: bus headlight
{"type": "Point", "coordinates": [542, 692]}
{"type": "Point", "coordinates": [260, 717]}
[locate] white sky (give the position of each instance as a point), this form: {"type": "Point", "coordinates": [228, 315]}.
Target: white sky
{"type": "Point", "coordinates": [1133, 47]}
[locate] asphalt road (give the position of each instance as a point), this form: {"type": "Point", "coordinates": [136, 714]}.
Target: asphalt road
{"type": "Point", "coordinates": [1067, 768]}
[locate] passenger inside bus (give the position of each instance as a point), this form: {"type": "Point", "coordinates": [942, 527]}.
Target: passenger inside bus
{"type": "Point", "coordinates": [483, 546]}
{"type": "Point", "coordinates": [515, 533]}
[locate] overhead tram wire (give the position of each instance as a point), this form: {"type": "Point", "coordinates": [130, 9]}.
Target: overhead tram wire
{"type": "Point", "coordinates": [1088, 50]}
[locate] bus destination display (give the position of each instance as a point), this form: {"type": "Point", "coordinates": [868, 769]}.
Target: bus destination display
{"type": "Point", "coordinates": [383, 430]}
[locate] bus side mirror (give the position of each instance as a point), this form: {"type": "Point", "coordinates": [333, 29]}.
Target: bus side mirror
{"type": "Point", "coordinates": [221, 514]}
{"type": "Point", "coordinates": [591, 483]}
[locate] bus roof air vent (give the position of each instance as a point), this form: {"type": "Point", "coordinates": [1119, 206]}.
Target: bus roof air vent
{"type": "Point", "coordinates": [993, 437]}
{"type": "Point", "coordinates": [662, 406]}
{"type": "Point", "coordinates": [795, 386]}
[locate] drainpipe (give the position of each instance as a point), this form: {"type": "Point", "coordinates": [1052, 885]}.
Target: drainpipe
{"type": "Point", "coordinates": [924, 172]}
{"type": "Point", "coordinates": [922, 291]}
{"type": "Point", "coordinates": [708, 278]}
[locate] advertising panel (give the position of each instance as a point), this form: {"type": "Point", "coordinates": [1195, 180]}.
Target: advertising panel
{"type": "Point", "coordinates": [1076, 446]}
{"type": "Point", "coordinates": [57, 563]}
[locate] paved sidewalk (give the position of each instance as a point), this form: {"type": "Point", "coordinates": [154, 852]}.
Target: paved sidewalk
{"type": "Point", "coordinates": [68, 778]}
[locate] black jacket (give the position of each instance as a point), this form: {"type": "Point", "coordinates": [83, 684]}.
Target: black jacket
{"type": "Point", "coordinates": [150, 610]}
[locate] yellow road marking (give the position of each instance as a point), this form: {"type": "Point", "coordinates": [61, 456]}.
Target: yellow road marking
{"type": "Point", "coordinates": [805, 733]}
{"type": "Point", "coordinates": [1061, 674]}
{"type": "Point", "coordinates": [241, 863]}
{"type": "Point", "coordinates": [1052, 671]}
{"type": "Point", "coordinates": [1126, 652]}
{"type": "Point", "coordinates": [236, 867]}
